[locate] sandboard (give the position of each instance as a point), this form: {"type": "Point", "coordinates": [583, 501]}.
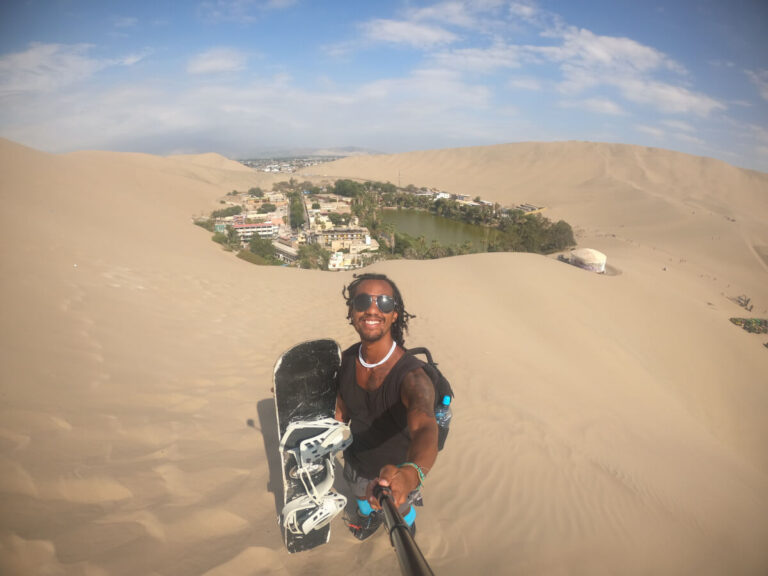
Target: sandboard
{"type": "Point", "coordinates": [305, 390]}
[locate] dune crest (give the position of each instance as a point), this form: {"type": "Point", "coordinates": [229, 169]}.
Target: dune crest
{"type": "Point", "coordinates": [687, 212]}
{"type": "Point", "coordinates": [603, 424]}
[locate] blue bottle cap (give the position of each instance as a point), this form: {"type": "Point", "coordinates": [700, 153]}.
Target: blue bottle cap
{"type": "Point", "coordinates": [446, 400]}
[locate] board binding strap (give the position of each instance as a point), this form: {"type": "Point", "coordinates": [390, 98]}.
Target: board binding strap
{"type": "Point", "coordinates": [314, 457]}
{"type": "Point", "coordinates": [305, 391]}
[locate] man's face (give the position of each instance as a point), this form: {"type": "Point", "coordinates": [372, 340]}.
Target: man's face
{"type": "Point", "coordinates": [372, 324]}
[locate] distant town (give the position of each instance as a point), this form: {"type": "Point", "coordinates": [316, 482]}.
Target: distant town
{"type": "Point", "coordinates": [287, 165]}
{"type": "Point", "coordinates": [329, 226]}
{"type": "Point", "coordinates": [328, 223]}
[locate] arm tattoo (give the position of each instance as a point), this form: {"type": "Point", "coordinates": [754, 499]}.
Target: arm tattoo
{"type": "Point", "coordinates": [419, 393]}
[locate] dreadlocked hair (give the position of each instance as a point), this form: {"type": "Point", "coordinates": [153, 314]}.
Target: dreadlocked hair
{"type": "Point", "coordinates": [400, 325]}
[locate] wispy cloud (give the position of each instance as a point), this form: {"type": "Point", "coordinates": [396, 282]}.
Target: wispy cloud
{"type": "Point", "coordinates": [721, 63]}
{"type": "Point", "coordinates": [131, 59]}
{"type": "Point", "coordinates": [608, 54]}
{"type": "Point", "coordinates": [49, 67]}
{"type": "Point", "coordinates": [216, 60]}
{"type": "Point", "coordinates": [426, 90]}
{"type": "Point", "coordinates": [684, 137]}
{"type": "Point", "coordinates": [597, 105]}
{"type": "Point", "coordinates": [407, 33]}
{"type": "Point", "coordinates": [525, 83]}
{"type": "Point", "coordinates": [484, 16]}
{"type": "Point", "coordinates": [678, 125]}
{"type": "Point", "coordinates": [651, 130]}
{"type": "Point", "coordinates": [452, 13]}
{"type": "Point", "coordinates": [240, 10]}
{"type": "Point", "coordinates": [124, 21]}
{"type": "Point", "coordinates": [487, 60]}
{"type": "Point", "coordinates": [637, 73]}
{"type": "Point", "coordinates": [760, 79]}
{"type": "Point", "coordinates": [672, 129]}
{"type": "Point", "coordinates": [666, 97]}
{"type": "Point", "coordinates": [525, 10]}
{"type": "Point", "coordinates": [222, 116]}
{"type": "Point", "coordinates": [589, 61]}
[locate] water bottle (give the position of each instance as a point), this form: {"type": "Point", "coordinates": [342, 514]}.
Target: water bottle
{"type": "Point", "coordinates": [443, 415]}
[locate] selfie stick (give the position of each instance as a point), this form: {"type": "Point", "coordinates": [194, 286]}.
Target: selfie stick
{"type": "Point", "coordinates": [412, 561]}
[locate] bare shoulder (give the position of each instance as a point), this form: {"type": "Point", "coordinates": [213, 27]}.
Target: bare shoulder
{"type": "Point", "coordinates": [418, 392]}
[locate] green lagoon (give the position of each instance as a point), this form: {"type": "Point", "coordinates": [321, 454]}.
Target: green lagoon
{"type": "Point", "coordinates": [444, 230]}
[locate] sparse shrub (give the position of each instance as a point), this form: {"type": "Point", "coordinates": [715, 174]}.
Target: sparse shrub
{"type": "Point", "coordinates": [313, 256]}
{"type": "Point", "coordinates": [205, 223]}
{"type": "Point", "coordinates": [223, 213]}
{"type": "Point", "coordinates": [249, 256]}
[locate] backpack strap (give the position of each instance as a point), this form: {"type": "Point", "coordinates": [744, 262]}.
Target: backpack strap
{"type": "Point", "coordinates": [422, 350]}
{"type": "Point", "coordinates": [442, 386]}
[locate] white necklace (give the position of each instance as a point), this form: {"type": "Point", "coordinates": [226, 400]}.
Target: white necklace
{"type": "Point", "coordinates": [380, 362]}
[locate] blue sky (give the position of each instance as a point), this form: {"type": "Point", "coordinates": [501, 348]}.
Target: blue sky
{"type": "Point", "coordinates": [241, 76]}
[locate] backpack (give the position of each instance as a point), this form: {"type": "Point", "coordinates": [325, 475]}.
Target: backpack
{"type": "Point", "coordinates": [441, 384]}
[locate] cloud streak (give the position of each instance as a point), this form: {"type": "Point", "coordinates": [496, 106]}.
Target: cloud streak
{"type": "Point", "coordinates": [667, 97]}
{"type": "Point", "coordinates": [217, 60]}
{"type": "Point", "coordinates": [50, 67]}
{"type": "Point", "coordinates": [760, 80]}
{"type": "Point", "coordinates": [240, 11]}
{"type": "Point", "coordinates": [597, 105]}
{"type": "Point", "coordinates": [406, 33]}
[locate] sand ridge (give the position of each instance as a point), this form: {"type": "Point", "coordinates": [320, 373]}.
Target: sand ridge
{"type": "Point", "coordinates": [604, 424]}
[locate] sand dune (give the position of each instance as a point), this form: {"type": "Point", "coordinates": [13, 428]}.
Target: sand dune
{"type": "Point", "coordinates": [604, 424]}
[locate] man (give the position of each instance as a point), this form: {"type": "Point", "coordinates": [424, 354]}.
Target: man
{"type": "Point", "coordinates": [388, 400]}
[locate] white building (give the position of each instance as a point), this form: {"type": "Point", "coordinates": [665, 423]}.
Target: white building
{"type": "Point", "coordinates": [262, 229]}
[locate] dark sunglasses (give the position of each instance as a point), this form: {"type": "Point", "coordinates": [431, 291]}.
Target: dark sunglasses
{"type": "Point", "coordinates": [361, 302]}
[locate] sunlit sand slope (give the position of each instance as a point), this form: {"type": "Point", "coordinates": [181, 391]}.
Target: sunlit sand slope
{"type": "Point", "coordinates": [603, 424]}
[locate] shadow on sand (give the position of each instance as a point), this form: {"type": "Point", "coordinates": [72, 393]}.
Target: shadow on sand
{"type": "Point", "coordinates": [268, 425]}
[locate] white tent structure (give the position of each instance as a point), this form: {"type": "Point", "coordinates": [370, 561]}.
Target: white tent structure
{"type": "Point", "coordinates": [588, 259]}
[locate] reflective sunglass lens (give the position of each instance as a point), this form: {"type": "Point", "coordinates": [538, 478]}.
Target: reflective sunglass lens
{"type": "Point", "coordinates": [384, 303]}
{"type": "Point", "coordinates": [361, 302]}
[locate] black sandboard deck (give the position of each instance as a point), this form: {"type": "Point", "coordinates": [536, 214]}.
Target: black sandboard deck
{"type": "Point", "coordinates": [305, 389]}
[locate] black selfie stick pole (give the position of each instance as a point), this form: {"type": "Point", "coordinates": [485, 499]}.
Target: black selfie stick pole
{"type": "Point", "coordinates": [412, 562]}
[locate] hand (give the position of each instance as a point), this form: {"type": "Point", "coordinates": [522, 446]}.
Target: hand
{"type": "Point", "coordinates": [401, 481]}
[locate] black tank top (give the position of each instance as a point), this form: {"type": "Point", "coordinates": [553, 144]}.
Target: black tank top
{"type": "Point", "coordinates": [379, 423]}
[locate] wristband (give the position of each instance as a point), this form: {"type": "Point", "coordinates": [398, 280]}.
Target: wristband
{"type": "Point", "coordinates": [418, 469]}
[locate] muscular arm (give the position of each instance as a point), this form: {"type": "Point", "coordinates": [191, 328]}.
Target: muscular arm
{"type": "Point", "coordinates": [418, 395]}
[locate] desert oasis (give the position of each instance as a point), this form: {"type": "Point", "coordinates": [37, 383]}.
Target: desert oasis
{"type": "Point", "coordinates": [603, 423]}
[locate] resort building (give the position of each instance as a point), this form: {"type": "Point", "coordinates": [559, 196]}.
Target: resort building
{"type": "Point", "coordinates": [349, 239]}
{"type": "Point", "coordinates": [262, 229]}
